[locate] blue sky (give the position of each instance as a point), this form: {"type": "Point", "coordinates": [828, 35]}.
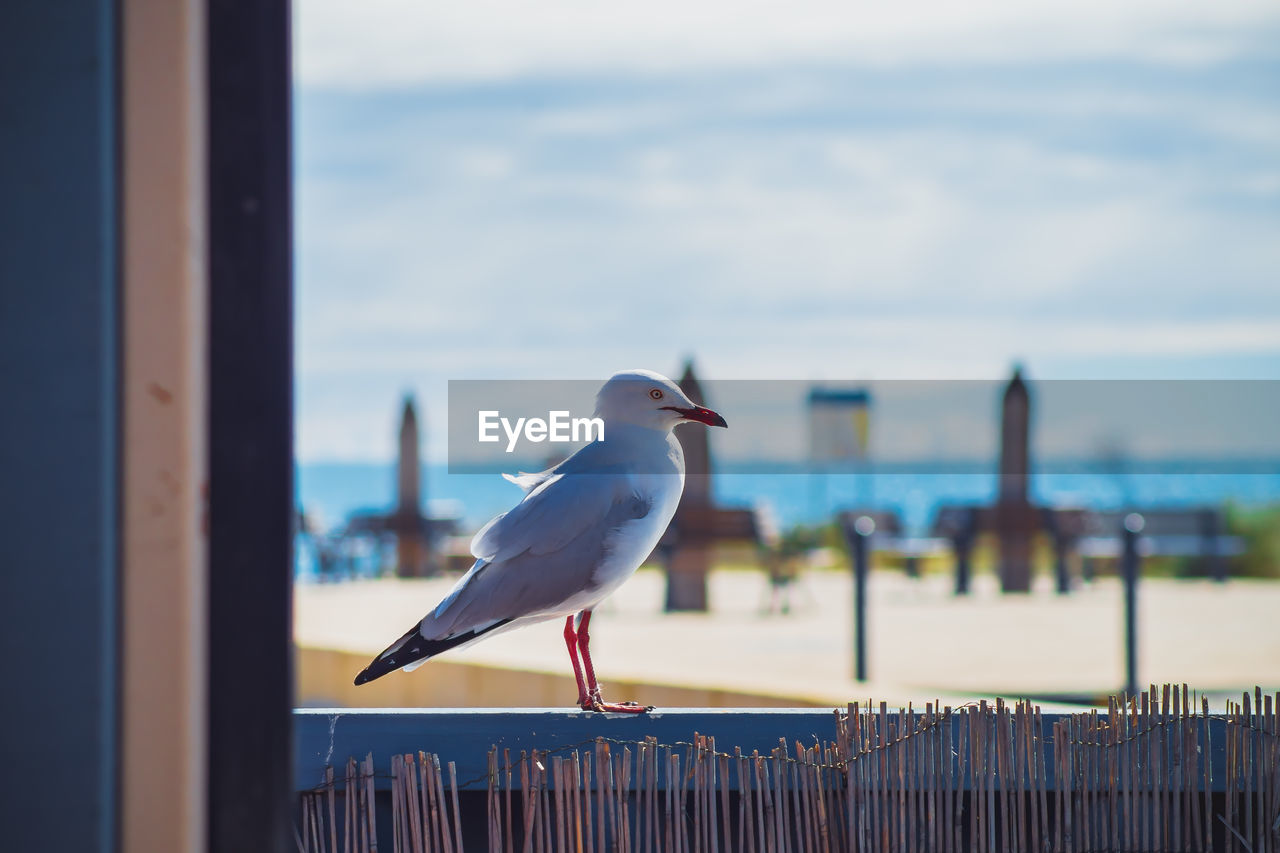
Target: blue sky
{"type": "Point", "coordinates": [825, 191]}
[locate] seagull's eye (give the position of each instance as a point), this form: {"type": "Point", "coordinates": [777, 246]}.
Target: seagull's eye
{"type": "Point", "coordinates": [655, 394]}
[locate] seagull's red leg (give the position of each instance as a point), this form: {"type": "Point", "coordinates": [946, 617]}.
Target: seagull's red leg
{"type": "Point", "coordinates": [571, 640]}
{"type": "Point", "coordinates": [596, 702]}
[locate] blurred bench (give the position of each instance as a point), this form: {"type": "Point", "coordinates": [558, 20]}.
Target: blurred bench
{"type": "Point", "coordinates": [887, 538]}
{"type": "Point", "coordinates": [1198, 532]}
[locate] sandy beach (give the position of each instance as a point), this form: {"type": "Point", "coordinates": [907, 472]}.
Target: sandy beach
{"type": "Point", "coordinates": [924, 643]}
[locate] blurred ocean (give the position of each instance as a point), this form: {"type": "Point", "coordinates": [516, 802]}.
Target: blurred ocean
{"type": "Point", "coordinates": [329, 492]}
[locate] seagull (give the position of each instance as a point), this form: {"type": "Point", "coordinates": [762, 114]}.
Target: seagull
{"type": "Point", "coordinates": [582, 528]}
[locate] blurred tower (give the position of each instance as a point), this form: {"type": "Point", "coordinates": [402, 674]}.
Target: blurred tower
{"type": "Point", "coordinates": [1015, 444]}
{"type": "Point", "coordinates": [688, 546]}
{"type": "Point", "coordinates": [408, 467]}
{"type": "Point", "coordinates": [690, 560]}
{"type": "Point", "coordinates": [696, 446]}
{"type": "Point", "coordinates": [1016, 520]}
{"type": "Point", "coordinates": [417, 536]}
{"type": "Point", "coordinates": [412, 552]}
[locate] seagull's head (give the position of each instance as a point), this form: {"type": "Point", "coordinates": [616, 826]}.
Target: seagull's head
{"type": "Point", "coordinates": [648, 399]}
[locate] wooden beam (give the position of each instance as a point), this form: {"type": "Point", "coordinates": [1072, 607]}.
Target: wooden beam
{"type": "Point", "coordinates": [165, 438]}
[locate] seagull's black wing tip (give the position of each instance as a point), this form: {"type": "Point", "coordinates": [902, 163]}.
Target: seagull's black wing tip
{"type": "Point", "coordinates": [413, 647]}
{"type": "Point", "coordinates": [389, 662]}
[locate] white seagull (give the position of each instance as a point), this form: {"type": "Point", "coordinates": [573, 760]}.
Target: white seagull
{"type": "Point", "coordinates": [582, 528]}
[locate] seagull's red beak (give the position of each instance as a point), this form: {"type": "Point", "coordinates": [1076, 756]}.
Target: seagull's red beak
{"type": "Point", "coordinates": [699, 414]}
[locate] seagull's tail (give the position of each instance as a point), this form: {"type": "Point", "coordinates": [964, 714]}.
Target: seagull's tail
{"type": "Point", "coordinates": [413, 648]}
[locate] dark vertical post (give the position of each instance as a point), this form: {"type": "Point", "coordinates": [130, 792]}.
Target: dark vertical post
{"type": "Point", "coordinates": [1062, 544]}
{"type": "Point", "coordinates": [250, 426]}
{"type": "Point", "coordinates": [962, 542]}
{"type": "Point", "coordinates": [962, 547]}
{"type": "Point", "coordinates": [60, 409]}
{"type": "Point", "coordinates": [1130, 562]}
{"type": "Point", "coordinates": [859, 544]}
{"type": "Point", "coordinates": [1060, 567]}
{"type": "Point", "coordinates": [1210, 529]}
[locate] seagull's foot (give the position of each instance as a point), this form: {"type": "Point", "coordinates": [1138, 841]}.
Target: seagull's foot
{"type": "Point", "coordinates": [622, 707]}
{"type": "Point", "coordinates": [595, 703]}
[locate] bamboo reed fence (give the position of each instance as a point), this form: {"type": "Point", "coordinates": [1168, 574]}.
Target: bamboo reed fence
{"type": "Point", "coordinates": [983, 777]}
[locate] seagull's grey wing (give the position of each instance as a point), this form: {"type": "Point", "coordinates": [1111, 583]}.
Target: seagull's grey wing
{"type": "Point", "coordinates": [540, 554]}
{"type": "Point", "coordinates": [586, 458]}
{"type": "Point", "coordinates": [539, 557]}
{"type": "Point", "coordinates": [552, 513]}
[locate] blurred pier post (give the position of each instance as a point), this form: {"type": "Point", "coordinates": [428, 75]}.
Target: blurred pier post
{"type": "Point", "coordinates": [1013, 518]}
{"type": "Point", "coordinates": [415, 533]}
{"type": "Point", "coordinates": [690, 556]}
{"type": "Point", "coordinates": [413, 548]}
{"type": "Point", "coordinates": [960, 525]}
{"type": "Point", "coordinates": [1065, 527]}
{"type": "Point", "coordinates": [1211, 534]}
{"type": "Point", "coordinates": [1016, 520]}
{"type": "Point", "coordinates": [1130, 561]}
{"type": "Point", "coordinates": [859, 534]}
{"type": "Point", "coordinates": [689, 544]}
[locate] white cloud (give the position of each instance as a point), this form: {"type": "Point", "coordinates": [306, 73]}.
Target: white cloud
{"type": "Point", "coordinates": [404, 42]}
{"type": "Point", "coordinates": [350, 395]}
{"type": "Point", "coordinates": [796, 222]}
